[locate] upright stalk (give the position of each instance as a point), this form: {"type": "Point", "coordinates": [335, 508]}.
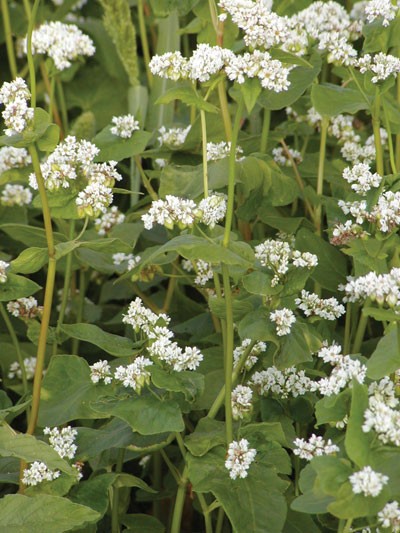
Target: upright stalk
{"type": "Point", "coordinates": [8, 36]}
{"type": "Point", "coordinates": [321, 170]}
{"type": "Point", "coordinates": [265, 130]}
{"type": "Point", "coordinates": [398, 134]}
{"type": "Point", "coordinates": [29, 55]}
{"type": "Point", "coordinates": [179, 503]}
{"type": "Point", "coordinates": [362, 325]}
{"type": "Point", "coordinates": [145, 43]}
{"type": "Point", "coordinates": [376, 126]}
{"type": "Point", "coordinates": [204, 145]}
{"type": "Point", "coordinates": [115, 494]}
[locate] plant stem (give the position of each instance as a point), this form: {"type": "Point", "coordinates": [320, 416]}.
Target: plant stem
{"type": "Point", "coordinates": [144, 42]}
{"type": "Point", "coordinates": [145, 179]}
{"type": "Point", "coordinates": [347, 329]}
{"type": "Point", "coordinates": [265, 130]}
{"type": "Point", "coordinates": [157, 481]}
{"type": "Point", "coordinates": [17, 347]}
{"type": "Point", "coordinates": [204, 151]}
{"type": "Point", "coordinates": [362, 324]}
{"type": "Point", "coordinates": [179, 503]}
{"type": "Point", "coordinates": [223, 102]}
{"type": "Point", "coordinates": [206, 513]}
{"type": "Point", "coordinates": [398, 134]}
{"type": "Point", "coordinates": [347, 526]}
{"type": "Point", "coordinates": [29, 55]}
{"type": "Point", "coordinates": [392, 156]}
{"type": "Point", "coordinates": [9, 42]}
{"type": "Point", "coordinates": [376, 126]}
{"type": "Point", "coordinates": [63, 108]}
{"type": "Point", "coordinates": [50, 86]}
{"type": "Point", "coordinates": [228, 360]}
{"type": "Point", "coordinates": [220, 520]}
{"type": "Point", "coordinates": [321, 168]}
{"type": "Point", "coordinates": [115, 494]}
{"type": "Point", "coordinates": [79, 316]}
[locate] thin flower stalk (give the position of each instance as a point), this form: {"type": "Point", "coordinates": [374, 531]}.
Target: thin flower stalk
{"type": "Point", "coordinates": [376, 126]}
{"type": "Point", "coordinates": [8, 36]}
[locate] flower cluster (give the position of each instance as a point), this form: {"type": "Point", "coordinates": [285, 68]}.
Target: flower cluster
{"type": "Point", "coordinates": [15, 195]}
{"type": "Point", "coordinates": [11, 157]}
{"type": "Point", "coordinates": [252, 357]}
{"type": "Point", "coordinates": [285, 157]}
{"type": "Point", "coordinates": [284, 320]}
{"type": "Point", "coordinates": [379, 288]}
{"type": "Point", "coordinates": [384, 9]}
{"type": "Point", "coordinates": [283, 383]}
{"type": "Point", "coordinates": [344, 233]}
{"type": "Point", "coordinates": [3, 271]}
{"type": "Point", "coordinates": [124, 126]}
{"type": "Point", "coordinates": [161, 347]}
{"type": "Point", "coordinates": [172, 137]}
{"type": "Point", "coordinates": [368, 482]}
{"type": "Point", "coordinates": [313, 447]}
{"type": "Point", "coordinates": [361, 178]}
{"type": "Point", "coordinates": [216, 151]}
{"type": "Point", "coordinates": [25, 308]}
{"type": "Point", "coordinates": [38, 472]}
{"type": "Point", "coordinates": [101, 371]}
{"type": "Point", "coordinates": [312, 305]}
{"type": "Point", "coordinates": [381, 65]}
{"type": "Point", "coordinates": [239, 458]}
{"type": "Point", "coordinates": [15, 370]}
{"type": "Point", "coordinates": [112, 217]}
{"type": "Point", "coordinates": [174, 210]}
{"type": "Point", "coordinates": [204, 271]}
{"type": "Point", "coordinates": [63, 43]}
{"type": "Point", "coordinates": [62, 440]}
{"type": "Point", "coordinates": [17, 115]}
{"type": "Point", "coordinates": [380, 416]}
{"type": "Point", "coordinates": [241, 401]}
{"type": "Point", "coordinates": [389, 517]}
{"type": "Point", "coordinates": [130, 260]}
{"type": "Point", "coordinates": [279, 256]}
{"type": "Point", "coordinates": [134, 375]}
{"type": "Point", "coordinates": [71, 165]}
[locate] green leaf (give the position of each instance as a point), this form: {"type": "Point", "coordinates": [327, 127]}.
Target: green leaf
{"type": "Point", "coordinates": [49, 140]}
{"type": "Point", "coordinates": [239, 307]}
{"type": "Point", "coordinates": [297, 347]}
{"type": "Point", "coordinates": [332, 473]}
{"type": "Point", "coordinates": [350, 505]}
{"type": "Point", "coordinates": [145, 414]}
{"type": "Point", "coordinates": [110, 343]}
{"type": "Point", "coordinates": [142, 523]}
{"type": "Point", "coordinates": [68, 375]}
{"type": "Point", "coordinates": [42, 514]}
{"type": "Point", "coordinates": [357, 443]}
{"type": "Point", "coordinates": [30, 260]}
{"type": "Point", "coordinates": [17, 287]}
{"type": "Point", "coordinates": [299, 523]}
{"type": "Point", "coordinates": [188, 96]}
{"type": "Point", "coordinates": [260, 283]}
{"type": "Point", "coordinates": [30, 235]}
{"type": "Point", "coordinates": [115, 148]}
{"type": "Point", "coordinates": [208, 434]}
{"type": "Point", "coordinates": [191, 384]}
{"type": "Point", "coordinates": [332, 100]}
{"type": "Point", "coordinates": [258, 327]}
{"type": "Point", "coordinates": [250, 90]}
{"type": "Point", "coordinates": [94, 492]}
{"type": "Point", "coordinates": [385, 359]}
{"type": "Point", "coordinates": [332, 409]}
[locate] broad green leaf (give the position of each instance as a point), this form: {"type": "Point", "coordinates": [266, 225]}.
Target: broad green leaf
{"type": "Point", "coordinates": [49, 140]}
{"type": "Point", "coordinates": [257, 326]}
{"type": "Point", "coordinates": [332, 473]}
{"type": "Point", "coordinates": [357, 442]}
{"type": "Point", "coordinates": [251, 90]}
{"type": "Point", "coordinates": [110, 343]}
{"type": "Point", "coordinates": [299, 523]}
{"type": "Point", "coordinates": [188, 96]}
{"type": "Point", "coordinates": [30, 260]}
{"type": "Point", "coordinates": [67, 376]}
{"type": "Point", "coordinates": [208, 434]}
{"type": "Point", "coordinates": [145, 414]}
{"type": "Point", "coordinates": [297, 347]}
{"type": "Point", "coordinates": [385, 359]}
{"type": "Point", "coordinates": [30, 235]}
{"type": "Point", "coordinates": [91, 442]}
{"type": "Point", "coordinates": [350, 505]}
{"type": "Point", "coordinates": [311, 503]}
{"type": "Point", "coordinates": [331, 100]}
{"type": "Point", "coordinates": [42, 514]}
{"type": "Point", "coordinates": [239, 308]}
{"type": "Point", "coordinates": [332, 409]}
{"type": "Point", "coordinates": [191, 384]}
{"type": "Point", "coordinates": [115, 148]}
{"type": "Point", "coordinates": [17, 287]}
{"type": "Point", "coordinates": [260, 283]}
{"type": "Point", "coordinates": [142, 523]}
{"type": "Point", "coordinates": [127, 480]}
{"type": "Point", "coordinates": [30, 449]}
{"type": "Point", "coordinates": [13, 410]}
{"type": "Point", "coordinates": [94, 492]}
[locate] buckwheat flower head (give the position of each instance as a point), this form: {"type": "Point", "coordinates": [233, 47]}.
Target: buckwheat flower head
{"type": "Point", "coordinates": [173, 137]}
{"type": "Point", "coordinates": [283, 383]}
{"type": "Point", "coordinates": [341, 127]}
{"type": "Point", "coordinates": [206, 60]}
{"type": "Point", "coordinates": [383, 9]}
{"type": "Point", "coordinates": [11, 157]}
{"type": "Point", "coordinates": [131, 260]}
{"type": "Point", "coordinates": [284, 320]}
{"type": "Point", "coordinates": [173, 210]}
{"type": "Point", "coordinates": [112, 217]}
{"type": "Point", "coordinates": [204, 271]}
{"type": "Point", "coordinates": [212, 209]}
{"type": "Point", "coordinates": [253, 356]}
{"type": "Point", "coordinates": [344, 233]}
{"type": "Point", "coordinates": [344, 371]}
{"type": "Point", "coordinates": [100, 371]}
{"type": "Point", "coordinates": [386, 212]}
{"type": "Point", "coordinates": [25, 308]}
{"type": "Point", "coordinates": [62, 440]}
{"type": "Point", "coordinates": [381, 65]}
{"type": "Point", "coordinates": [312, 305]}
{"type": "Point", "coordinates": [380, 288]}
{"type": "Point", "coordinates": [304, 259]}
{"type": "Point", "coordinates": [216, 151]}
{"type": "Point", "coordinates": [389, 517]}
{"type": "Point", "coordinates": [94, 199]}
{"type": "Point", "coordinates": [15, 370]}
{"type": "Point", "coordinates": [64, 43]}
{"type": "Point", "coordinates": [17, 114]}
{"type": "Point", "coordinates": [134, 375]}
{"type": "Point", "coordinates": [314, 447]}
{"type": "Point", "coordinates": [140, 317]}
{"type": "Point", "coordinates": [384, 391]}
{"type": "Point", "coordinates": [241, 401]}
{"type": "Point", "coordinates": [239, 458]}
{"type": "Point", "coordinates": [171, 66]}
{"type": "Point", "coordinates": [15, 195]}
{"type": "Point", "coordinates": [124, 127]}
{"type": "Point", "coordinates": [368, 482]}
{"type": "Point", "coordinates": [38, 472]}
{"type": "Point", "coordinates": [330, 353]}
{"type": "Point", "coordinates": [282, 158]}
{"type": "Point", "coordinates": [383, 420]}
{"type": "Point", "coordinates": [77, 5]}
{"type": "Point", "coordinates": [340, 51]}
{"type": "Point", "coordinates": [3, 271]}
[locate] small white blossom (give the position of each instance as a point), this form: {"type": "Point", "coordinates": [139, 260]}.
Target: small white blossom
{"type": "Point", "coordinates": [345, 370]}
{"type": "Point", "coordinates": [63, 440]}
{"type": "Point", "coordinates": [282, 158]}
{"type": "Point", "coordinates": [330, 353]}
{"type": "Point", "coordinates": [25, 308]}
{"type": "Point", "coordinates": [15, 195]}
{"type": "Point", "coordinates": [314, 447]}
{"type": "Point", "coordinates": [212, 209]}
{"type": "Point", "coordinates": [241, 401]}
{"type": "Point", "coordinates": [284, 319]}
{"type": "Point", "coordinates": [252, 358]}
{"type": "Point", "coordinates": [381, 65]}
{"type": "Point", "coordinates": [384, 9]}
{"type": "Point", "coordinates": [17, 115]}
{"type": "Point", "coordinates": [173, 137]}
{"type": "Point", "coordinates": [382, 419]}
{"type": "Point", "coordinates": [389, 517]}
{"type": "Point", "coordinates": [38, 472]}
{"type": "Point", "coordinates": [239, 458]}
{"type": "Point", "coordinates": [171, 65]}
{"type": "Point", "coordinates": [15, 369]}
{"type": "Point", "coordinates": [134, 375]}
{"type": "Point", "coordinates": [173, 210]}
{"type": "Point", "coordinates": [108, 220]}
{"type": "Point", "coordinates": [204, 271]}
{"type": "Point", "coordinates": [344, 233]}
{"type": "Point", "coordinates": [380, 288]}
{"type": "Point", "coordinates": [100, 371]}
{"type": "Point", "coordinates": [124, 126]}
{"type": "Point", "coordinates": [283, 383]}
{"type": "Point", "coordinates": [11, 157]}
{"type": "Point", "coordinates": [94, 199]}
{"type": "Point", "coordinates": [312, 305]}
{"type": "Point", "coordinates": [3, 271]}
{"type": "Point", "coordinates": [361, 178]}
{"type": "Point", "coordinates": [368, 482]}
{"type": "Point", "coordinates": [216, 151]}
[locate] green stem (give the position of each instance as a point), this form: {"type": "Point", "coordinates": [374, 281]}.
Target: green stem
{"type": "Point", "coordinates": [27, 8]}
{"type": "Point", "coordinates": [145, 179]}
{"type": "Point", "coordinates": [9, 42]}
{"type": "Point", "coordinates": [206, 513]}
{"type": "Point", "coordinates": [81, 304]}
{"type": "Point", "coordinates": [220, 520]}
{"type": "Point", "coordinates": [347, 329]}
{"type": "Point", "coordinates": [228, 360]}
{"type": "Point", "coordinates": [29, 55]}
{"type": "Point", "coordinates": [231, 173]}
{"type": "Point", "coordinates": [179, 503]}
{"type": "Point", "coordinates": [144, 42]}
{"type": "Point", "coordinates": [63, 106]}
{"type": "Point", "coordinates": [115, 494]}
{"type": "Point", "coordinates": [362, 324]}
{"type": "Point", "coordinates": [392, 155]}
{"type": "Point", "coordinates": [347, 526]}
{"type": "Point", "coordinates": [17, 347]}
{"type": "Point", "coordinates": [223, 102]}
{"type": "Point", "coordinates": [157, 481]}
{"type": "Point", "coordinates": [376, 126]}
{"type": "Point", "coordinates": [320, 177]}
{"type": "Point", "coordinates": [204, 151]}
{"type": "Point", "coordinates": [265, 130]}
{"type": "Point", "coordinates": [398, 134]}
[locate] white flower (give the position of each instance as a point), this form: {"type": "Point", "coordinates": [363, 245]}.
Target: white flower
{"type": "Point", "coordinates": [173, 137]}
{"type": "Point", "coordinates": [204, 271]}
{"type": "Point", "coordinates": [62, 42]}
{"type": "Point", "coordinates": [25, 308]}
{"type": "Point", "coordinates": [380, 288]}
{"type": "Point", "coordinates": [170, 65]}
{"type": "Point", "coordinates": [344, 233]}
{"type": "Point", "coordinates": [100, 371]}
{"type": "Point", "coordinates": [361, 178]}
{"type": "Point", "coordinates": [315, 446]}
{"type": "Point", "coordinates": [62, 440]}
{"type": "Point", "coordinates": [206, 60]}
{"type": "Point", "coordinates": [368, 482]}
{"type": "Point", "coordinates": [389, 517]}
{"type": "Point", "coordinates": [94, 199]}
{"type": "Point", "coordinates": [15, 195]}
{"type": "Point", "coordinates": [212, 209]}
{"type": "Point", "coordinates": [284, 319]}
{"type": "Point", "coordinates": [241, 401]}
{"type": "Point", "coordinates": [382, 419]}
{"type": "Point", "coordinates": [252, 358]}
{"type": "Point", "coordinates": [216, 151]}
{"type": "Point", "coordinates": [3, 271]}
{"type": "Point", "coordinates": [11, 157]}
{"type": "Point", "coordinates": [345, 370]}
{"type": "Point", "coordinates": [384, 9]}
{"type": "Point", "coordinates": [282, 158]}
{"type": "Point", "coordinates": [239, 458]}
{"type": "Point", "coordinates": [382, 65]}
{"type": "Point", "coordinates": [330, 353]}
{"type": "Point", "coordinates": [15, 369]}
{"type": "Point", "coordinates": [124, 127]}
{"type": "Point", "coordinates": [37, 473]}
{"type": "Point", "coordinates": [108, 220]}
{"type": "Point", "coordinates": [134, 375]}
{"type": "Point", "coordinates": [282, 382]}
{"type": "Point", "coordinates": [17, 115]}
{"type": "Point", "coordinates": [312, 305]}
